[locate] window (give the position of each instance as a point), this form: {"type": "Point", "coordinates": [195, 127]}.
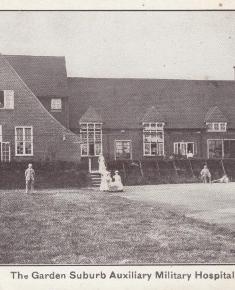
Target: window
{"type": "Point", "coordinates": [216, 127]}
{"type": "Point", "coordinates": [183, 148]}
{"type": "Point", "coordinates": [123, 149]}
{"type": "Point", "coordinates": [215, 148]}
{"type": "Point", "coordinates": [153, 139]}
{"type": "Point", "coordinates": [5, 151]}
{"type": "Point", "coordinates": [221, 148]}
{"type": "Point", "coordinates": [229, 148]}
{"type": "Point", "coordinates": [91, 139]}
{"type": "Point", "coordinates": [7, 99]}
{"type": "Point", "coordinates": [56, 104]}
{"type": "Point", "coordinates": [24, 141]}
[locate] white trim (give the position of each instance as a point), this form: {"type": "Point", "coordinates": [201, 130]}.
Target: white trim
{"type": "Point", "coordinates": [156, 130]}
{"type": "Point", "coordinates": [219, 125]}
{"type": "Point", "coordinates": [186, 143]}
{"type": "Point", "coordinates": [87, 138]}
{"type": "Point", "coordinates": [55, 100]}
{"type": "Point", "coordinates": [9, 156]}
{"type": "Point", "coordinates": [118, 140]}
{"type": "Point", "coordinates": [8, 96]}
{"type": "Point", "coordinates": [23, 127]}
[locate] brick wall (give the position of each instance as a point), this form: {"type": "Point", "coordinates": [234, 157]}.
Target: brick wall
{"type": "Point", "coordinates": [51, 139]}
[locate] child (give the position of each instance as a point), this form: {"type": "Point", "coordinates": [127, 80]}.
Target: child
{"type": "Point", "coordinates": [205, 174]}
{"type": "Point", "coordinates": [29, 178]}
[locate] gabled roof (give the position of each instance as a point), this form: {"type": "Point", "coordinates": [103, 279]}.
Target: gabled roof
{"type": "Point", "coordinates": [122, 103]}
{"type": "Point", "coordinates": [152, 115]}
{"type": "Point", "coordinates": [44, 75]}
{"type": "Point", "coordinates": [91, 115]}
{"type": "Point", "coordinates": [214, 114]}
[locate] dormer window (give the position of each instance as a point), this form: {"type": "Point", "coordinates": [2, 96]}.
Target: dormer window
{"type": "Point", "coordinates": [216, 127]}
{"type": "Point", "coordinates": [153, 139]}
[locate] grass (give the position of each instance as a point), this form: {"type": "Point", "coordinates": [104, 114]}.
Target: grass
{"type": "Point", "coordinates": [88, 227]}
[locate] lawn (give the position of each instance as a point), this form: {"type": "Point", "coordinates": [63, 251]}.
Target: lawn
{"type": "Point", "coordinates": [88, 227]}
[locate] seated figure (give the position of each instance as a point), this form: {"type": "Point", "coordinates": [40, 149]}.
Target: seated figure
{"type": "Point", "coordinates": [116, 185]}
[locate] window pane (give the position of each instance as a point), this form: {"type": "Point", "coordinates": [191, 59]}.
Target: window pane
{"type": "Point", "coordinates": [91, 147]}
{"type": "Point", "coordinates": [147, 149]}
{"type": "Point", "coordinates": [154, 149]}
{"type": "Point", "coordinates": [222, 126]}
{"type": "Point", "coordinates": [19, 134]}
{"type": "Point", "coordinates": [160, 149]}
{"type": "Point", "coordinates": [84, 149]}
{"type": "Point", "coordinates": [209, 126]}
{"type": "Point", "coordinates": [159, 136]}
{"type": "Point", "coordinates": [147, 137]}
{"type": "Point", "coordinates": [28, 134]}
{"type": "Point", "coordinates": [97, 149]}
{"type": "Point", "coordinates": [216, 126]}
{"type": "Point", "coordinates": [28, 148]}
{"type": "Point", "coordinates": [20, 148]}
{"type": "Point", "coordinates": [123, 149]}
{"type": "Point", "coordinates": [56, 104]}
{"type": "Point", "coordinates": [1, 99]}
{"type": "Point", "coordinates": [83, 126]}
{"type": "Point", "coordinates": [91, 126]}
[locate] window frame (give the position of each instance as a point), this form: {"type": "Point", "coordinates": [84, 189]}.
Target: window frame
{"type": "Point", "coordinates": [115, 147]}
{"type": "Point", "coordinates": [186, 144]}
{"type": "Point", "coordinates": [153, 127]}
{"type": "Point", "coordinates": [226, 139]}
{"type": "Point", "coordinates": [94, 139]}
{"type": "Point", "coordinates": [12, 104]}
{"type": "Point", "coordinates": [24, 141]}
{"type": "Point", "coordinates": [213, 124]}
{"type": "Point", "coordinates": [56, 109]}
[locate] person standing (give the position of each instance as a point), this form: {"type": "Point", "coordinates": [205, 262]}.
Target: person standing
{"type": "Point", "coordinates": [29, 178]}
{"type": "Point", "coordinates": [102, 166]}
{"type": "Point", "coordinates": [205, 174]}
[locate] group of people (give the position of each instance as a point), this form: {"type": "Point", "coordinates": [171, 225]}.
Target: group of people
{"type": "Point", "coordinates": [114, 183]}
{"type": "Point", "coordinates": [206, 176]}
{"type": "Point", "coordinates": [109, 182]}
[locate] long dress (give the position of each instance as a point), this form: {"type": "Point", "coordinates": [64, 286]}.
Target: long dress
{"type": "Point", "coordinates": [102, 166]}
{"type": "Point", "coordinates": [116, 185]}
{"type": "Point", "coordinates": [104, 183]}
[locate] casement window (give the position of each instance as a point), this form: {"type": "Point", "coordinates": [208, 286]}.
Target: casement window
{"type": "Point", "coordinates": [56, 104]}
{"type": "Point", "coordinates": [91, 139]}
{"type": "Point", "coordinates": [221, 148]}
{"type": "Point", "coordinates": [216, 127]}
{"type": "Point", "coordinates": [5, 150]}
{"type": "Point", "coordinates": [7, 99]}
{"type": "Point", "coordinates": [153, 139]}
{"type": "Point", "coordinates": [123, 149]}
{"type": "Point", "coordinates": [23, 141]}
{"type": "Point", "coordinates": [184, 148]}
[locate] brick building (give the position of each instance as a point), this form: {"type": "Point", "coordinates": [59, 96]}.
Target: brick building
{"type": "Point", "coordinates": [46, 115]}
{"type": "Point", "coordinates": [27, 130]}
{"type": "Point", "coordinates": [150, 118]}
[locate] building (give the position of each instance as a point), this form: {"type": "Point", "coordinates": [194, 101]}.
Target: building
{"type": "Point", "coordinates": [151, 118]}
{"type": "Point", "coordinates": [44, 115]}
{"type": "Point", "coordinates": [28, 131]}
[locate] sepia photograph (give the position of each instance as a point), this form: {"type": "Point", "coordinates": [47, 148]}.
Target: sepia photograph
{"type": "Point", "coordinates": [117, 138]}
